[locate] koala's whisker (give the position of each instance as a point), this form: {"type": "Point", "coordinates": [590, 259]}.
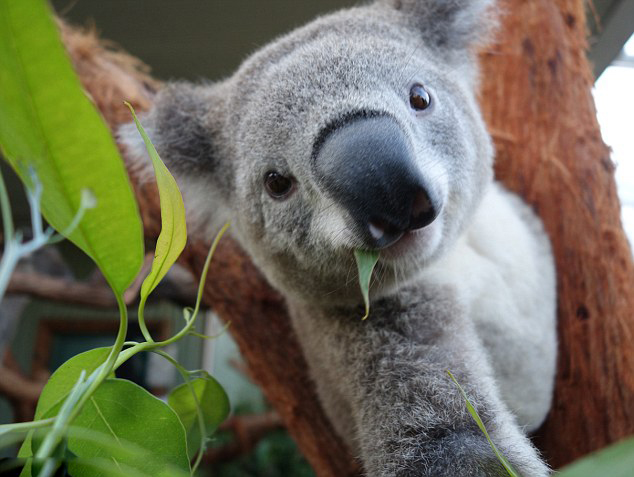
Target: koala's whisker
{"type": "Point", "coordinates": [396, 279]}
{"type": "Point", "coordinates": [406, 66]}
{"type": "Point", "coordinates": [324, 209]}
{"type": "Point", "coordinates": [337, 235]}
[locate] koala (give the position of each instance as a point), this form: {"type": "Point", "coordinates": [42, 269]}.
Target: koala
{"type": "Point", "coordinates": [361, 130]}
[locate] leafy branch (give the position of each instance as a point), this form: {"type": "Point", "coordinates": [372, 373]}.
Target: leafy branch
{"type": "Point", "coordinates": [69, 151]}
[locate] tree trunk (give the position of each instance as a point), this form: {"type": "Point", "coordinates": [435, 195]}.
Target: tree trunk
{"type": "Point", "coordinates": [536, 97]}
{"type": "Point", "coordinates": [537, 101]}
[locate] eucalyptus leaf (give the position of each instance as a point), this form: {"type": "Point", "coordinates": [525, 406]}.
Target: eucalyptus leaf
{"type": "Point", "coordinates": [64, 378]}
{"type": "Point", "coordinates": [116, 446]}
{"type": "Point", "coordinates": [48, 123]}
{"type": "Point", "coordinates": [476, 417]}
{"type": "Point", "coordinates": [27, 470]}
{"type": "Point", "coordinates": [366, 261]}
{"type": "Point", "coordinates": [616, 460]}
{"type": "Point", "coordinates": [26, 453]}
{"type": "Point", "coordinates": [211, 400]}
{"type": "Point", "coordinates": [127, 414]}
{"type": "Point", "coordinates": [57, 388]}
{"type": "Point", "coordinates": [173, 236]}
{"type": "Point", "coordinates": [89, 467]}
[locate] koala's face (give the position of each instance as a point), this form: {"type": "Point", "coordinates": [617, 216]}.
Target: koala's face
{"type": "Point", "coordinates": [368, 142]}
{"type": "Point", "coordinates": [354, 132]}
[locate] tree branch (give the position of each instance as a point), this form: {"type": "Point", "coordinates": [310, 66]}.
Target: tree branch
{"type": "Point", "coordinates": [48, 287]}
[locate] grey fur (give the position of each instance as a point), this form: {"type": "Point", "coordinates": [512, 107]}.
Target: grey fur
{"type": "Point", "coordinates": [383, 381]}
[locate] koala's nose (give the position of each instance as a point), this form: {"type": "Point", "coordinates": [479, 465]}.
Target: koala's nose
{"type": "Point", "coordinates": [367, 165]}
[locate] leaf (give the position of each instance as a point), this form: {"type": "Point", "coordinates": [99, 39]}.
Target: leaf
{"type": "Point", "coordinates": [214, 406]}
{"type": "Point", "coordinates": [26, 452]}
{"type": "Point", "coordinates": [103, 466]}
{"type": "Point", "coordinates": [616, 460]}
{"type": "Point", "coordinates": [47, 122]}
{"type": "Point", "coordinates": [366, 260]}
{"type": "Point", "coordinates": [65, 377]}
{"type": "Point", "coordinates": [173, 236]}
{"type": "Point", "coordinates": [59, 385]}
{"type": "Point", "coordinates": [476, 417]}
{"type": "Point", "coordinates": [127, 414]}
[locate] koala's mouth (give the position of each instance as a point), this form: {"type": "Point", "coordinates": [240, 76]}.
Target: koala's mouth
{"type": "Point", "coordinates": [409, 244]}
{"type": "Point", "coordinates": [401, 245]}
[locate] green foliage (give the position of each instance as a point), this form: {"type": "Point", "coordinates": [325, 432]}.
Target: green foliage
{"type": "Point", "coordinates": [58, 387]}
{"type": "Point", "coordinates": [93, 423]}
{"type": "Point", "coordinates": [171, 240]}
{"type": "Point", "coordinates": [65, 377]}
{"type": "Point", "coordinates": [127, 413]}
{"type": "Point", "coordinates": [616, 460]}
{"type": "Point", "coordinates": [201, 394]}
{"type": "Point", "coordinates": [48, 123]}
{"type": "Point", "coordinates": [366, 260]}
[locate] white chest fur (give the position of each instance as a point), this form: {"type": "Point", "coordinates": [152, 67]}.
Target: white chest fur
{"type": "Point", "coordinates": [502, 268]}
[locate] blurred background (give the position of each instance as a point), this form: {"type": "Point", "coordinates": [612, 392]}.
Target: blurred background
{"type": "Point", "coordinates": [206, 40]}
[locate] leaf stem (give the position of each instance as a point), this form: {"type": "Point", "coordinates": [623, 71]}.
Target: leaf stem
{"type": "Point", "coordinates": [55, 436]}
{"type": "Point", "coordinates": [7, 218]}
{"type": "Point", "coordinates": [34, 196]}
{"type": "Point", "coordinates": [141, 320]}
{"type": "Point", "coordinates": [199, 415]}
{"type": "Point", "coordinates": [82, 392]}
{"type": "Point", "coordinates": [476, 417]}
{"type": "Point", "coordinates": [26, 426]}
{"type": "Point", "coordinates": [152, 345]}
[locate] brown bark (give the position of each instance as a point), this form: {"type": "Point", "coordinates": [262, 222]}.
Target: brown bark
{"type": "Point", "coordinates": [536, 99]}
{"type": "Point", "coordinates": [537, 96]}
{"type": "Point", "coordinates": [94, 292]}
{"type": "Point", "coordinates": [54, 288]}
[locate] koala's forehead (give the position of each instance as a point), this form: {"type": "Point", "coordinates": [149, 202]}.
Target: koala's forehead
{"type": "Point", "coordinates": [327, 70]}
{"type": "Point", "coordinates": [332, 68]}
{"type": "Point", "coordinates": [342, 56]}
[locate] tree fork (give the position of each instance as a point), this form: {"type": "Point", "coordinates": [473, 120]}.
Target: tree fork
{"type": "Point", "coordinates": [536, 98]}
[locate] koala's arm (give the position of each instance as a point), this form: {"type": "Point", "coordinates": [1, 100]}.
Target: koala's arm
{"type": "Point", "coordinates": [384, 383]}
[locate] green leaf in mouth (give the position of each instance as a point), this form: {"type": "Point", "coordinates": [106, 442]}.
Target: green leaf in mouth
{"type": "Point", "coordinates": [366, 260]}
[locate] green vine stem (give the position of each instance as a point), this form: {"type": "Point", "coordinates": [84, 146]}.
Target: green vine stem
{"type": "Point", "coordinates": [85, 388]}
{"type": "Point", "coordinates": [150, 346]}
{"type": "Point", "coordinates": [26, 426]}
{"type": "Point", "coordinates": [84, 393]}
{"type": "Point", "coordinates": [199, 415]}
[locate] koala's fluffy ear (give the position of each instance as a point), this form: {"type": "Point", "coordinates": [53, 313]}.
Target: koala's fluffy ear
{"type": "Point", "coordinates": [183, 124]}
{"type": "Point", "coordinates": [449, 24]}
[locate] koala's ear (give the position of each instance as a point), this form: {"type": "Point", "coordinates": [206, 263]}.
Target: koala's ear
{"type": "Point", "coordinates": [184, 124]}
{"type": "Point", "coordinates": [448, 24]}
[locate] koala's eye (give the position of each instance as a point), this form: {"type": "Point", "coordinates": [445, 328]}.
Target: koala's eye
{"type": "Point", "coordinates": [277, 185]}
{"type": "Point", "coordinates": [419, 98]}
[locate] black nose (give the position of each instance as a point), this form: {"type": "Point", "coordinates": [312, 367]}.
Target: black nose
{"type": "Point", "coordinates": [368, 166]}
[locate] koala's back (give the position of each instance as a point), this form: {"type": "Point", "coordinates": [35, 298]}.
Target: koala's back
{"type": "Point", "coordinates": [502, 268]}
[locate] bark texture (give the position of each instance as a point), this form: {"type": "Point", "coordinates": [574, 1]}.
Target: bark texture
{"type": "Point", "coordinates": [536, 97]}
{"type": "Point", "coordinates": [537, 101]}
